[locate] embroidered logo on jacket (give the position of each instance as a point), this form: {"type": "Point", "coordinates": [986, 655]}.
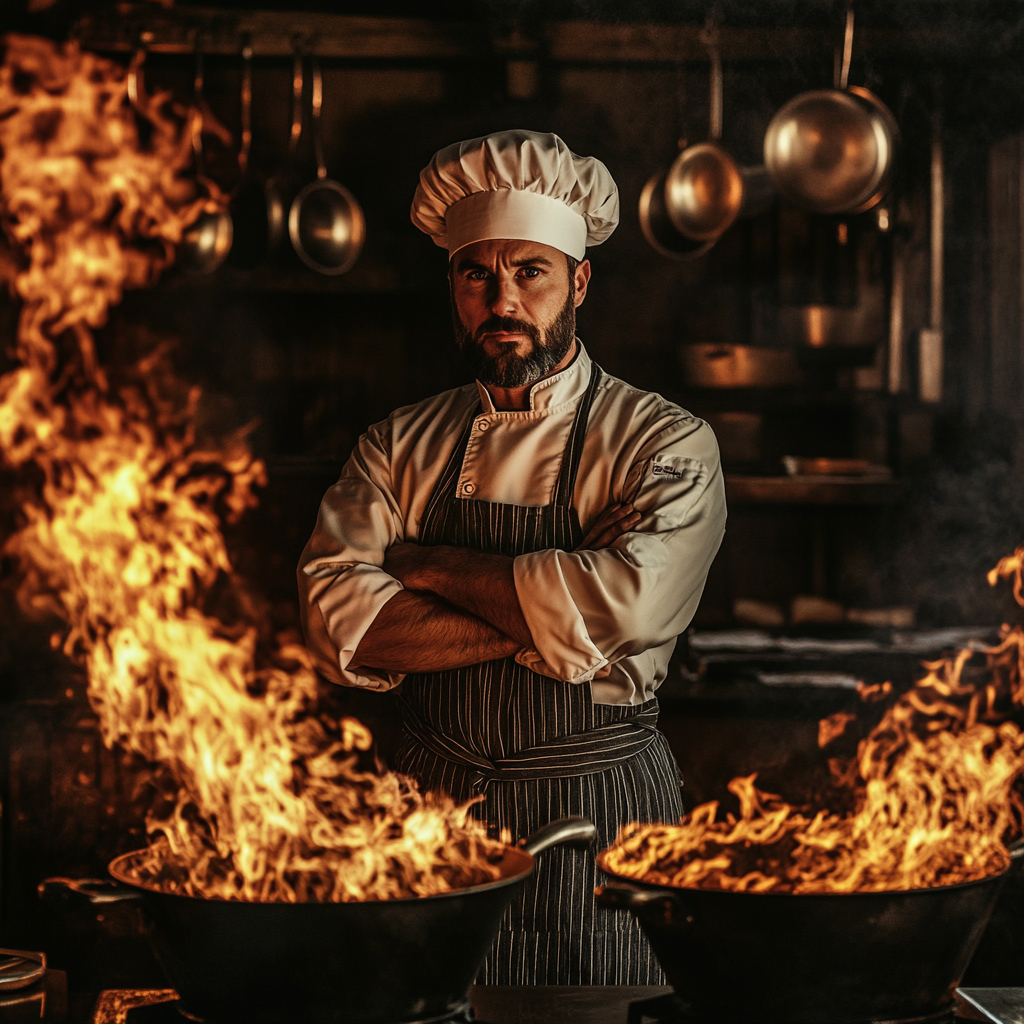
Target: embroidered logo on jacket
{"type": "Point", "coordinates": [660, 469]}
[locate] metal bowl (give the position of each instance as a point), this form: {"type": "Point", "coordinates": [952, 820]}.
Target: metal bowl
{"type": "Point", "coordinates": [832, 150]}
{"type": "Point", "coordinates": [703, 191]}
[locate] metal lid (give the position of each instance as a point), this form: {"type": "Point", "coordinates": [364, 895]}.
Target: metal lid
{"type": "Point", "coordinates": [19, 969]}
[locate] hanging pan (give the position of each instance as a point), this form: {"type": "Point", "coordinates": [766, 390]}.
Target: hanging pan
{"type": "Point", "coordinates": [705, 189]}
{"type": "Point", "coordinates": [325, 222]}
{"type": "Point", "coordinates": [684, 210]}
{"type": "Point", "coordinates": [833, 151]}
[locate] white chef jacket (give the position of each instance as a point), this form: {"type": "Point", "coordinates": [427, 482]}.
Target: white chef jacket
{"type": "Point", "coordinates": [623, 605]}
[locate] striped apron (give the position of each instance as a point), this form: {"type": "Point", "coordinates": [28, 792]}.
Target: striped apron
{"type": "Point", "coordinates": [537, 749]}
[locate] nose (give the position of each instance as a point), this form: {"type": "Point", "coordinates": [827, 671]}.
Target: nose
{"type": "Point", "coordinates": [505, 298]}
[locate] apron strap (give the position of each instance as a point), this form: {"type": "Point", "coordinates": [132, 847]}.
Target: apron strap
{"type": "Point", "coordinates": [566, 485]}
{"type": "Point", "coordinates": [584, 753]}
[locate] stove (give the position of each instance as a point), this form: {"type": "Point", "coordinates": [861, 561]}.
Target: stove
{"type": "Point", "coordinates": [160, 1006]}
{"type": "Point", "coordinates": [491, 1004]}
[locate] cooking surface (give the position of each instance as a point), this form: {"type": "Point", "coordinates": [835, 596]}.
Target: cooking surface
{"type": "Point", "coordinates": [492, 1004]}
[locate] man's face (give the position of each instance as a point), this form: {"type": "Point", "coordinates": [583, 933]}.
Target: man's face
{"type": "Point", "coordinates": [514, 308]}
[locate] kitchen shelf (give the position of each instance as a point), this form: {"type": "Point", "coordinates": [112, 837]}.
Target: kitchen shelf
{"type": "Point", "coordinates": [808, 490]}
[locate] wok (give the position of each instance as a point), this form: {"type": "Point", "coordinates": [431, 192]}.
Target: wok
{"type": "Point", "coordinates": [830, 958]}
{"type": "Point", "coordinates": [326, 963]}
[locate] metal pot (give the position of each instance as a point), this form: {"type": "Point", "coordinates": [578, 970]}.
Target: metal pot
{"type": "Point", "coordinates": [833, 150]}
{"type": "Point", "coordinates": [712, 365]}
{"type": "Point", "coordinates": [325, 223]}
{"type": "Point", "coordinates": [780, 958]}
{"type": "Point", "coordinates": [332, 963]}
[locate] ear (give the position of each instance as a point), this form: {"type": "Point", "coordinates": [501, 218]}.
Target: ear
{"type": "Point", "coordinates": [582, 279]}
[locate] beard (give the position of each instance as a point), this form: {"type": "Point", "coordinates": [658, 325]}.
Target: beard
{"type": "Point", "coordinates": [509, 369]}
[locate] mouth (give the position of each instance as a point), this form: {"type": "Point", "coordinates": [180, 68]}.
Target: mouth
{"type": "Point", "coordinates": [502, 335]}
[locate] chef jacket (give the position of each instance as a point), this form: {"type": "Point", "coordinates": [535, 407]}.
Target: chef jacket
{"type": "Point", "coordinates": [624, 604]}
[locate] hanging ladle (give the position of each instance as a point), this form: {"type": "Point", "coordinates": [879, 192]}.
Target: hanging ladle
{"type": "Point", "coordinates": [325, 222]}
{"type": "Point", "coordinates": [206, 242]}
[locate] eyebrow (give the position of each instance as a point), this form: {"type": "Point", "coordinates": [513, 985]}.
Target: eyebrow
{"type": "Point", "coordinates": [468, 264]}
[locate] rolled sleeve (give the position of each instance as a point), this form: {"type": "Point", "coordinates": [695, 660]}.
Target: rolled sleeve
{"type": "Point", "coordinates": [342, 586]}
{"type": "Point", "coordinates": [587, 608]}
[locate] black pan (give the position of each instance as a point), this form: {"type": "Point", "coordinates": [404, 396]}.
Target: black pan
{"type": "Point", "coordinates": [833, 958]}
{"type": "Point", "coordinates": [330, 963]}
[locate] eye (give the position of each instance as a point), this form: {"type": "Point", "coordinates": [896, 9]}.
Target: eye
{"type": "Point", "coordinates": [477, 275]}
{"type": "Point", "coordinates": [531, 272]}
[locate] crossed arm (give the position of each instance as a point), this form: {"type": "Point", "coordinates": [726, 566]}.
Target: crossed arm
{"type": "Point", "coordinates": [459, 607]}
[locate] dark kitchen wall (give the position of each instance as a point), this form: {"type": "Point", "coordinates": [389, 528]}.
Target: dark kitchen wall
{"type": "Point", "coordinates": [309, 361]}
{"type": "Point", "coordinates": [306, 362]}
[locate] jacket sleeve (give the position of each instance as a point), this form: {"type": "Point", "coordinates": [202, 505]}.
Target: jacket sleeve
{"type": "Point", "coordinates": [342, 586]}
{"type": "Point", "coordinates": [588, 608]}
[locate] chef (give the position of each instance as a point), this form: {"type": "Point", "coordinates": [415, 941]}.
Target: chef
{"type": "Point", "coordinates": [520, 554]}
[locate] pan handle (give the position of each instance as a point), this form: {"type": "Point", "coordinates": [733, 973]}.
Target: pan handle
{"type": "Point", "coordinates": [95, 890]}
{"type": "Point", "coordinates": [654, 906]}
{"type": "Point", "coordinates": [1016, 849]}
{"type": "Point", "coordinates": [578, 831]}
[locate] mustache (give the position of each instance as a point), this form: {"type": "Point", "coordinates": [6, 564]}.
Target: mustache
{"type": "Point", "coordinates": [508, 324]}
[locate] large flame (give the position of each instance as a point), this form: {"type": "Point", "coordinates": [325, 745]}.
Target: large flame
{"type": "Point", "coordinates": [934, 788]}
{"type": "Point", "coordinates": [122, 537]}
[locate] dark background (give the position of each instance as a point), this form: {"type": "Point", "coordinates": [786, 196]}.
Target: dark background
{"type": "Point", "coordinates": [309, 361]}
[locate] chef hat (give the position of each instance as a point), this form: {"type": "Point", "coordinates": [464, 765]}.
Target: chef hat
{"type": "Point", "coordinates": [516, 184]}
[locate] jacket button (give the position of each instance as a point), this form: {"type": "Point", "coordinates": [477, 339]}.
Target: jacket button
{"type": "Point", "coordinates": [483, 424]}
{"type": "Point", "coordinates": [468, 488]}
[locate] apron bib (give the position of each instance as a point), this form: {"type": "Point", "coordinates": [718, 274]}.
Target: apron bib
{"type": "Point", "coordinates": [538, 749]}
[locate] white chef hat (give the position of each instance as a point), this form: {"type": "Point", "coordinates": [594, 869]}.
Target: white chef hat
{"type": "Point", "coordinates": [516, 184]}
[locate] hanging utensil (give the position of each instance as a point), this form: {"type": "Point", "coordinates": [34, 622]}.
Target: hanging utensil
{"type": "Point", "coordinates": [325, 222]}
{"type": "Point", "coordinates": [833, 150]}
{"type": "Point", "coordinates": [705, 189]}
{"type": "Point", "coordinates": [655, 224]}
{"type": "Point", "coordinates": [206, 243]}
{"type": "Point", "coordinates": [257, 205]}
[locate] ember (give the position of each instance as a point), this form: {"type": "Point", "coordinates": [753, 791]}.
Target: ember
{"type": "Point", "coordinates": [122, 539]}
{"type": "Point", "coordinates": [934, 784]}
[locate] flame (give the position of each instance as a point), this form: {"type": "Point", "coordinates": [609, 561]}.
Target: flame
{"type": "Point", "coordinates": [121, 534]}
{"type": "Point", "coordinates": [934, 786]}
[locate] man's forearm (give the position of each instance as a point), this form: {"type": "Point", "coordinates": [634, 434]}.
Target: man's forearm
{"type": "Point", "coordinates": [478, 582]}
{"type": "Point", "coordinates": [417, 632]}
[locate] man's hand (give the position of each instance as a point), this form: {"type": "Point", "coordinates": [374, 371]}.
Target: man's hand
{"type": "Point", "coordinates": [611, 524]}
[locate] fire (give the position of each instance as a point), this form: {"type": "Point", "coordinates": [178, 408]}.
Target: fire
{"type": "Point", "coordinates": [121, 535]}
{"type": "Point", "coordinates": [934, 788]}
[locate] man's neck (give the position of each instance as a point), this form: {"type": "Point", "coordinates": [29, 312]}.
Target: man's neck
{"type": "Point", "coordinates": [518, 399]}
